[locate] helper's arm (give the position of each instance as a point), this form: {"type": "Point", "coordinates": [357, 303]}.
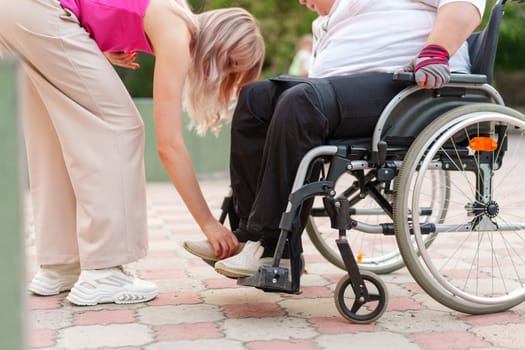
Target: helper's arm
{"type": "Point", "coordinates": [170, 39]}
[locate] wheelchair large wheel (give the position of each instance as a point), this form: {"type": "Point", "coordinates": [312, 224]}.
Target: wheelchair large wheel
{"type": "Point", "coordinates": [376, 252]}
{"type": "Point", "coordinates": [476, 264]}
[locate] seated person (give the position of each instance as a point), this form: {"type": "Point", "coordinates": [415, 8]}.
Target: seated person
{"type": "Point", "coordinates": [358, 45]}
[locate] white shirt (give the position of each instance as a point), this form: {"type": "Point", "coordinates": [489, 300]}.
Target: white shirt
{"type": "Point", "coordinates": [359, 36]}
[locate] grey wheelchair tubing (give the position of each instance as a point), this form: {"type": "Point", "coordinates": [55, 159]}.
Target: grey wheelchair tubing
{"type": "Point", "coordinates": [332, 256]}
{"type": "Point", "coordinates": [425, 273]}
{"type": "Point", "coordinates": [383, 264]}
{"type": "Point", "coordinates": [470, 81]}
{"type": "Point", "coordinates": [299, 181]}
{"type": "Point", "coordinates": [394, 263]}
{"type": "Point", "coordinates": [376, 137]}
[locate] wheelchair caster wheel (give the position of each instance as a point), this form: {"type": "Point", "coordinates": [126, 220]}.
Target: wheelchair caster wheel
{"type": "Point", "coordinates": [361, 311]}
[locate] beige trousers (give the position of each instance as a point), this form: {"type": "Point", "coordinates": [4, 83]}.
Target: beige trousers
{"type": "Point", "coordinates": [84, 137]}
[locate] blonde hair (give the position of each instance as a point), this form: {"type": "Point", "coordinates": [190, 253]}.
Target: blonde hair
{"type": "Point", "coordinates": [228, 53]}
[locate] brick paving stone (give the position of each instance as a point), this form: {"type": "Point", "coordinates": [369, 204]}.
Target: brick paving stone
{"type": "Point", "coordinates": [252, 310]}
{"type": "Point", "coordinates": [492, 348]}
{"type": "Point", "coordinates": [311, 280]}
{"type": "Point", "coordinates": [187, 331]}
{"type": "Point", "coordinates": [74, 308]}
{"type": "Point", "coordinates": [180, 285]}
{"type": "Point", "coordinates": [243, 295]}
{"type": "Point", "coordinates": [331, 277]}
{"type": "Point", "coordinates": [324, 268]}
{"type": "Point", "coordinates": [371, 340]}
{"type": "Point", "coordinates": [449, 341]}
{"type": "Point", "coordinates": [314, 258]}
{"type": "Point", "coordinates": [338, 325]}
{"type": "Point", "coordinates": [205, 272]}
{"type": "Point", "coordinates": [104, 317]}
{"type": "Point", "coordinates": [176, 314]}
{"type": "Point", "coordinates": [403, 304]}
{"type": "Point", "coordinates": [420, 321]}
{"type": "Point", "coordinates": [491, 319]}
{"type": "Point", "coordinates": [313, 292]}
{"type": "Point", "coordinates": [44, 303]}
{"type": "Point", "coordinates": [413, 287]}
{"type": "Point", "coordinates": [310, 307]}
{"type": "Point", "coordinates": [114, 335]}
{"type": "Point", "coordinates": [220, 283]}
{"type": "Point", "coordinates": [175, 299]}
{"type": "Point", "coordinates": [394, 289]}
{"type": "Point", "coordinates": [429, 303]}
{"type": "Point", "coordinates": [283, 344]}
{"type": "Point", "coordinates": [40, 338]}
{"type": "Point", "coordinates": [162, 274]}
{"type": "Point", "coordinates": [201, 344]}
{"type": "Point", "coordinates": [511, 336]}
{"type": "Point", "coordinates": [276, 328]}
{"type": "Point", "coordinates": [50, 319]}
{"type": "Point", "coordinates": [200, 309]}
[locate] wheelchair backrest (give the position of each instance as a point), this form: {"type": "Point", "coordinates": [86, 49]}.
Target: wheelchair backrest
{"type": "Point", "coordinates": [483, 45]}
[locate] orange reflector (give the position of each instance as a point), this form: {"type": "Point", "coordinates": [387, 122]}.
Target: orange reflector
{"type": "Point", "coordinates": [485, 144]}
{"type": "Point", "coordinates": [359, 258]}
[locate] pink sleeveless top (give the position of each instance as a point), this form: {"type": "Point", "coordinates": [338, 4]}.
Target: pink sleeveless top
{"type": "Point", "coordinates": [115, 25]}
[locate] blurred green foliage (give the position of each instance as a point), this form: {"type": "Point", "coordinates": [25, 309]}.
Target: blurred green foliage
{"type": "Point", "coordinates": [284, 21]}
{"type": "Point", "coordinates": [511, 45]}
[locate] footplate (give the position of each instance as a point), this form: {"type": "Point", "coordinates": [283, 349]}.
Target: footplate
{"type": "Point", "coordinates": [269, 279]}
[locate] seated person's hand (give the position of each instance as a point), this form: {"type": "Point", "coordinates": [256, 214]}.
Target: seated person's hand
{"type": "Point", "coordinates": [123, 59]}
{"type": "Point", "coordinates": [430, 67]}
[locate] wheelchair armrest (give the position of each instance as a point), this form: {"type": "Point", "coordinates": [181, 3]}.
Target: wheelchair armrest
{"type": "Point", "coordinates": [455, 78]}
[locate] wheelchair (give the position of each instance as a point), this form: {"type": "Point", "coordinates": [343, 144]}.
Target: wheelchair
{"type": "Point", "coordinates": [435, 188]}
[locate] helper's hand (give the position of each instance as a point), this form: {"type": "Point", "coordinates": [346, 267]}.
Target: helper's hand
{"type": "Point", "coordinates": [430, 67]}
{"type": "Point", "coordinates": [222, 240]}
{"type": "Point", "coordinates": [123, 59]}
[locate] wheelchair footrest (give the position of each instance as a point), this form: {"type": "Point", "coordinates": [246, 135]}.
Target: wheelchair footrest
{"type": "Point", "coordinates": [269, 279]}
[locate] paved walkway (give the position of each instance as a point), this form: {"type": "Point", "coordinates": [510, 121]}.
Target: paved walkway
{"type": "Point", "coordinates": [199, 309]}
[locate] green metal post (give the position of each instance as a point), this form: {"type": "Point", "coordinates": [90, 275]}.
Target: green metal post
{"type": "Point", "coordinates": [12, 319]}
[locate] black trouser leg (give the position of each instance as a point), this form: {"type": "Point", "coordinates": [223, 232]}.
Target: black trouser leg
{"type": "Point", "coordinates": [273, 129]}
{"type": "Point", "coordinates": [249, 126]}
{"type": "Point", "coordinates": [297, 126]}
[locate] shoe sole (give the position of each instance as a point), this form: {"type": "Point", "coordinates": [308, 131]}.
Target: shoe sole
{"type": "Point", "coordinates": [232, 273]}
{"type": "Point", "coordinates": [208, 257]}
{"type": "Point", "coordinates": [240, 273]}
{"type": "Point", "coordinates": [117, 298]}
{"type": "Point", "coordinates": [43, 290]}
{"type": "Point", "coordinates": [47, 293]}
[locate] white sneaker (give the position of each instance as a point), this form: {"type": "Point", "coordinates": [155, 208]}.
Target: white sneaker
{"type": "Point", "coordinates": [112, 285]}
{"type": "Point", "coordinates": [203, 249]}
{"type": "Point", "coordinates": [247, 262]}
{"type": "Point", "coordinates": [54, 279]}
{"type": "Point", "coordinates": [243, 264]}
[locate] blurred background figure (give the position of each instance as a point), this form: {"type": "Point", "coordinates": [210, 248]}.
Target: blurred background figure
{"type": "Point", "coordinates": [303, 57]}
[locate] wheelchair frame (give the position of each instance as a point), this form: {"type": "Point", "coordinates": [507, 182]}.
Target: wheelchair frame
{"type": "Point", "coordinates": [468, 101]}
